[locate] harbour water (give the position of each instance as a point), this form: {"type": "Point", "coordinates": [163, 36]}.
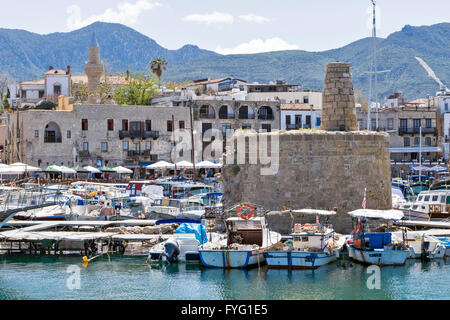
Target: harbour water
{"type": "Point", "coordinates": [124, 278]}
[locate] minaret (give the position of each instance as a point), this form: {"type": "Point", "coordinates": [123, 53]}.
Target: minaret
{"type": "Point", "coordinates": [94, 70]}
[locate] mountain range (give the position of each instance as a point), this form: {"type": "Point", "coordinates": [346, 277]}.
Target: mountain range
{"type": "Point", "coordinates": [26, 56]}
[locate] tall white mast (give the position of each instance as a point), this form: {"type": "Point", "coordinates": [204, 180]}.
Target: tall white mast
{"type": "Point", "coordinates": [374, 48]}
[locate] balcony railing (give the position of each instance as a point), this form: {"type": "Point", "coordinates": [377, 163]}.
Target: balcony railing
{"type": "Point", "coordinates": [52, 140]}
{"type": "Point", "coordinates": [294, 126]}
{"type": "Point", "coordinates": [83, 153]}
{"type": "Point", "coordinates": [265, 117]}
{"type": "Point", "coordinates": [143, 135]}
{"type": "Point", "coordinates": [402, 131]}
{"type": "Point", "coordinates": [133, 153]}
{"type": "Point", "coordinates": [207, 115]}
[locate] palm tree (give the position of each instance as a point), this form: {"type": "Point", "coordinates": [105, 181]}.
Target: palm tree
{"type": "Point", "coordinates": [157, 66]}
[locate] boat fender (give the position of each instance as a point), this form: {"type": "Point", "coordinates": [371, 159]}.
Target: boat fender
{"type": "Point", "coordinates": [239, 209]}
{"type": "Point", "coordinates": [356, 243]}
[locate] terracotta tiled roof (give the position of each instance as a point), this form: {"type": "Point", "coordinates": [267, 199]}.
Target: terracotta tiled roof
{"type": "Point", "coordinates": [111, 79]}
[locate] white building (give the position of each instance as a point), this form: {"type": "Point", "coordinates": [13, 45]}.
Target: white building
{"type": "Point", "coordinates": [442, 100]}
{"type": "Point", "coordinates": [55, 83]}
{"type": "Point", "coordinates": [296, 116]}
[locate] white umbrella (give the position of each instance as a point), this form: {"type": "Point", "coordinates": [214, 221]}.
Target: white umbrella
{"type": "Point", "coordinates": [161, 165]}
{"type": "Point", "coordinates": [25, 167]}
{"type": "Point", "coordinates": [207, 164]}
{"type": "Point", "coordinates": [92, 169]}
{"type": "Point", "coordinates": [184, 164]}
{"type": "Point", "coordinates": [11, 170]}
{"type": "Point", "coordinates": [121, 169]}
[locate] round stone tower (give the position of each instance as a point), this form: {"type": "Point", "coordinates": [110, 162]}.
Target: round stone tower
{"type": "Point", "coordinates": [94, 70]}
{"type": "Point", "coordinates": [338, 106]}
{"type": "Point", "coordinates": [310, 168]}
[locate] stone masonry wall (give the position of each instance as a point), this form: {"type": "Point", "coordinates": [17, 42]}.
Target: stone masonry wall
{"type": "Point", "coordinates": [317, 169]}
{"type": "Point", "coordinates": [338, 106]}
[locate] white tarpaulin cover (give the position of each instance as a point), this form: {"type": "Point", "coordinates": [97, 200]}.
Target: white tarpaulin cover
{"type": "Point", "coordinates": [153, 191]}
{"type": "Point", "coordinates": [377, 214]}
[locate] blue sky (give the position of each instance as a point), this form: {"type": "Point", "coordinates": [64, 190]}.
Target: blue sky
{"type": "Point", "coordinates": [233, 26]}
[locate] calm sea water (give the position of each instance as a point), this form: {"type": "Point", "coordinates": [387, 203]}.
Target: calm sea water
{"type": "Point", "coordinates": [131, 278]}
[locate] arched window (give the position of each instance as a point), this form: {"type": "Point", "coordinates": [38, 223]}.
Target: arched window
{"type": "Point", "coordinates": [52, 133]}
{"type": "Point", "coordinates": [245, 112]}
{"type": "Point", "coordinates": [207, 112]}
{"type": "Point", "coordinates": [265, 113]}
{"type": "Point", "coordinates": [226, 112]}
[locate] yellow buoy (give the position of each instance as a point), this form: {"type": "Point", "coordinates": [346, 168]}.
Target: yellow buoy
{"type": "Point", "coordinates": [85, 259]}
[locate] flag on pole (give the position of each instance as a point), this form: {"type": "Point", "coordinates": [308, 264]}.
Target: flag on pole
{"type": "Point", "coordinates": [364, 200]}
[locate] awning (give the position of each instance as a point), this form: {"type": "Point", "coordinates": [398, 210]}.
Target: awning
{"type": "Point", "coordinates": [415, 149]}
{"type": "Point", "coordinates": [377, 214]}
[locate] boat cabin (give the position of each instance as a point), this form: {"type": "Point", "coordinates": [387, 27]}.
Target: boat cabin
{"type": "Point", "coordinates": [251, 231]}
{"type": "Point", "coordinates": [308, 236]}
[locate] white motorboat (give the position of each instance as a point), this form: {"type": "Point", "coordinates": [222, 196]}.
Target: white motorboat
{"type": "Point", "coordinates": [430, 205]}
{"type": "Point", "coordinates": [421, 245]}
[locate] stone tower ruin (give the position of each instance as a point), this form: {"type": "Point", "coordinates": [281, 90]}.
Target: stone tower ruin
{"type": "Point", "coordinates": [338, 103]}
{"type": "Point", "coordinates": [94, 70]}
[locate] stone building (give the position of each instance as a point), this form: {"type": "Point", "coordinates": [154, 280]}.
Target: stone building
{"type": "Point", "coordinates": [96, 135]}
{"type": "Point", "coordinates": [321, 169]}
{"type": "Point", "coordinates": [223, 115]}
{"type": "Point", "coordinates": [403, 124]}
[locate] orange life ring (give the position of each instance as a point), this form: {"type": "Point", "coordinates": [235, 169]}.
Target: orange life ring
{"type": "Point", "coordinates": [239, 209]}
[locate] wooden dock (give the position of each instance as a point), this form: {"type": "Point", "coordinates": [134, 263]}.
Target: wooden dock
{"type": "Point", "coordinates": [428, 224]}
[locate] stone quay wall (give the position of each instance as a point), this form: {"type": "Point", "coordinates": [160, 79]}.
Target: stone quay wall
{"type": "Point", "coordinates": [316, 169]}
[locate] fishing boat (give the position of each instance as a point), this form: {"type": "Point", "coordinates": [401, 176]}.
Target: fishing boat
{"type": "Point", "coordinates": [422, 245]}
{"type": "Point", "coordinates": [376, 248]}
{"type": "Point", "coordinates": [247, 238]}
{"type": "Point", "coordinates": [313, 244]}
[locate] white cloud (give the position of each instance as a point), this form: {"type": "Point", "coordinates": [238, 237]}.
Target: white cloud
{"type": "Point", "coordinates": [210, 18]}
{"type": "Point", "coordinates": [126, 13]}
{"type": "Point", "coordinates": [258, 46]}
{"type": "Point", "coordinates": [253, 18]}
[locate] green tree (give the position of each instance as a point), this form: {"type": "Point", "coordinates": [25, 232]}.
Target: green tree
{"type": "Point", "coordinates": [157, 66]}
{"type": "Point", "coordinates": [5, 102]}
{"type": "Point", "coordinates": [139, 89]}
{"type": "Point", "coordinates": [173, 85]}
